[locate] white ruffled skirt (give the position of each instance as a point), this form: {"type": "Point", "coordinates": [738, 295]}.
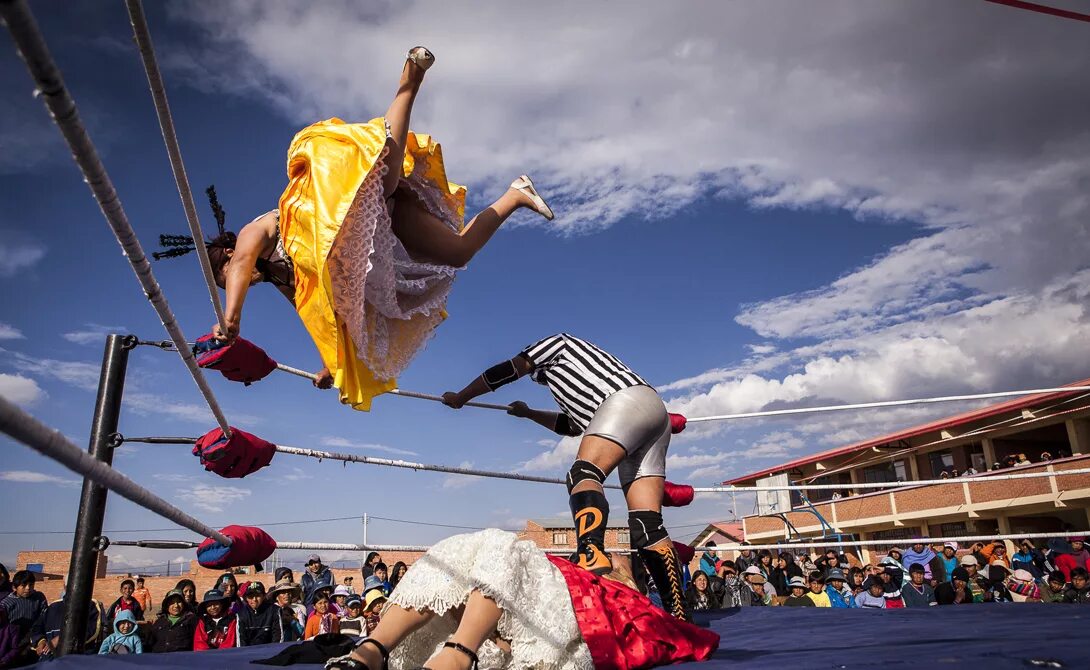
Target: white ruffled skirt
{"type": "Point", "coordinates": [537, 619]}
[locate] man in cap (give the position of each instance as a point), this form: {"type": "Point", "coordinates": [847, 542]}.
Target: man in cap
{"type": "Point", "coordinates": [259, 622]}
{"type": "Point", "coordinates": [315, 576]}
{"type": "Point", "coordinates": [353, 622]}
{"type": "Point", "coordinates": [918, 593]}
{"type": "Point", "coordinates": [797, 597]}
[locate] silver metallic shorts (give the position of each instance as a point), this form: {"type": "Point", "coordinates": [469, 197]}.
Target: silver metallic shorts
{"type": "Point", "coordinates": [636, 419]}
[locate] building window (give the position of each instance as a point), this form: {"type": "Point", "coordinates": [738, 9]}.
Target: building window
{"type": "Point", "coordinates": [623, 538]}
{"type": "Point", "coordinates": [886, 472]}
{"type": "Point", "coordinates": [905, 533]}
{"type": "Point", "coordinates": [941, 461]}
{"type": "Point", "coordinates": [952, 529]}
{"type": "Point", "coordinates": [976, 458]}
{"type": "Point", "coordinates": [560, 539]}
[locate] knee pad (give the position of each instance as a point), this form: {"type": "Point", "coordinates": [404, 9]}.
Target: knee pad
{"type": "Point", "coordinates": [646, 528]}
{"type": "Point", "coordinates": [499, 375]}
{"type": "Point", "coordinates": [583, 470]}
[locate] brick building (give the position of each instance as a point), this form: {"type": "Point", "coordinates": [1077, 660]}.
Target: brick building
{"type": "Point", "coordinates": [559, 533]}
{"type": "Point", "coordinates": [1051, 430]}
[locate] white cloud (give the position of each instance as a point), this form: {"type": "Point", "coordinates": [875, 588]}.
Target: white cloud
{"type": "Point", "coordinates": [173, 477]}
{"type": "Point", "coordinates": [28, 477]}
{"type": "Point", "coordinates": [92, 333]}
{"type": "Point", "coordinates": [74, 373]}
{"type": "Point", "coordinates": [212, 498]}
{"type": "Point", "coordinates": [460, 481]}
{"type": "Point", "coordinates": [10, 332]}
{"type": "Point", "coordinates": [16, 252]}
{"type": "Point", "coordinates": [19, 389]}
{"type": "Point", "coordinates": [342, 443]}
{"type": "Point", "coordinates": [559, 457]}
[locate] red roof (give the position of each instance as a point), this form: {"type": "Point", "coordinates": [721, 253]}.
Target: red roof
{"type": "Point", "coordinates": [948, 422]}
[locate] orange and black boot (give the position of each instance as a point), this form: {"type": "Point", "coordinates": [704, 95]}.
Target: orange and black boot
{"type": "Point", "coordinates": [664, 566]}
{"type": "Point", "coordinates": [590, 510]}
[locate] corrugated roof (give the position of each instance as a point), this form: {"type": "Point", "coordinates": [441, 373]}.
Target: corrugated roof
{"type": "Point", "coordinates": [948, 422]}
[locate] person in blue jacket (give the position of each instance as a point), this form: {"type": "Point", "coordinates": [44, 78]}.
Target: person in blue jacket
{"type": "Point", "coordinates": [124, 639]}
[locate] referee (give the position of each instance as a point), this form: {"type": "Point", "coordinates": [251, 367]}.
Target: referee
{"type": "Point", "coordinates": [625, 427]}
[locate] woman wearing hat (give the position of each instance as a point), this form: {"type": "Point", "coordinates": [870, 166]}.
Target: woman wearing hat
{"type": "Point", "coordinates": [797, 596]}
{"type": "Point", "coordinates": [216, 627]}
{"type": "Point", "coordinates": [173, 629]}
{"type": "Point", "coordinates": [282, 594]}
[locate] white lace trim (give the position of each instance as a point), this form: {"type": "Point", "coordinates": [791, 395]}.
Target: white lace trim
{"type": "Point", "coordinates": [537, 619]}
{"type": "Point", "coordinates": [390, 303]}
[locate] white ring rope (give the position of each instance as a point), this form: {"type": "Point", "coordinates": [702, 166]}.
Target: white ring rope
{"type": "Point", "coordinates": [24, 428]}
{"type": "Point", "coordinates": [62, 108]}
{"type": "Point", "coordinates": [174, 151]}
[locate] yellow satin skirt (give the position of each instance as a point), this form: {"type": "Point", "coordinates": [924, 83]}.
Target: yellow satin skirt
{"type": "Point", "coordinates": [368, 306]}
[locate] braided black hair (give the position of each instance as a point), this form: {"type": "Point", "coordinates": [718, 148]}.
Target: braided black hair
{"type": "Point", "coordinates": [180, 245]}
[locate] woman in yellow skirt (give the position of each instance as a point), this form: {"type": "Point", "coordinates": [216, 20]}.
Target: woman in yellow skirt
{"type": "Point", "coordinates": [365, 243]}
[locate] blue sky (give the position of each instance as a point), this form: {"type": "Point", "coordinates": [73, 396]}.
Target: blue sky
{"type": "Point", "coordinates": [753, 212]}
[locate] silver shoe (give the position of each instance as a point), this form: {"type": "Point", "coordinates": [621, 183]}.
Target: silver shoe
{"type": "Point", "coordinates": [524, 185]}
{"type": "Point", "coordinates": [421, 58]}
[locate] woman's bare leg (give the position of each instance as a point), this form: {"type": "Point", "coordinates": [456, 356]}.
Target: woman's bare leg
{"type": "Point", "coordinates": [477, 625]}
{"type": "Point", "coordinates": [394, 626]}
{"type": "Point", "coordinates": [427, 238]}
{"type": "Point", "coordinates": [398, 118]}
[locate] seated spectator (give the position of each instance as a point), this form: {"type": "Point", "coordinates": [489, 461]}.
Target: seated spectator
{"type": "Point", "coordinates": [1078, 591]}
{"type": "Point", "coordinates": [14, 650]}
{"type": "Point", "coordinates": [1045, 457]}
{"type": "Point", "coordinates": [281, 594]}
{"type": "Point", "coordinates": [283, 574]}
{"type": "Point", "coordinates": [5, 583]}
{"type": "Point", "coordinates": [995, 584]}
{"type": "Point", "coordinates": [756, 590]}
{"type": "Point", "coordinates": [974, 580]}
{"type": "Point", "coordinates": [996, 552]}
{"type": "Point", "coordinates": [921, 554]}
{"type": "Point", "coordinates": [373, 609]}
{"type": "Point", "coordinates": [1052, 590]}
{"type": "Point", "coordinates": [45, 634]}
{"type": "Point", "coordinates": [142, 595]}
{"type": "Point", "coordinates": [836, 588]}
{"type": "Point", "coordinates": [892, 576]}
{"type": "Point", "coordinates": [24, 605]}
{"type": "Point", "coordinates": [322, 620]}
{"type": "Point", "coordinates": [126, 602]}
{"type": "Point", "coordinates": [316, 576]}
{"type": "Point", "coordinates": [699, 596]}
{"type": "Point", "coordinates": [1029, 558]}
{"type": "Point", "coordinates": [956, 591]}
{"type": "Point", "coordinates": [189, 592]}
{"type": "Point", "coordinates": [735, 591]}
{"type": "Point", "coordinates": [798, 596]}
{"type": "Point", "coordinates": [228, 586]}
{"type": "Point", "coordinates": [1023, 587]}
{"type": "Point", "coordinates": [918, 593]}
{"type": "Point", "coordinates": [340, 599]}
{"type": "Point", "coordinates": [174, 628]}
{"type": "Point", "coordinates": [1022, 461]}
{"type": "Point", "coordinates": [1079, 552]}
{"type": "Point", "coordinates": [259, 621]}
{"type": "Point", "coordinates": [354, 623]}
{"type": "Point", "coordinates": [817, 590]}
{"type": "Point", "coordinates": [216, 626]}
{"type": "Point", "coordinates": [896, 554]}
{"type": "Point", "coordinates": [124, 639]}
{"type": "Point", "coordinates": [327, 593]}
{"type": "Point", "coordinates": [856, 577]}
{"type": "Point", "coordinates": [949, 559]}
{"type": "Point", "coordinates": [873, 595]}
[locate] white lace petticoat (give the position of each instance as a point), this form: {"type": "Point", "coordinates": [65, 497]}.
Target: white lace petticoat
{"type": "Point", "coordinates": [390, 303]}
{"type": "Point", "coordinates": [537, 619]}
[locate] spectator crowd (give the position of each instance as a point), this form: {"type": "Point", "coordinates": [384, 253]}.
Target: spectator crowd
{"type": "Point", "coordinates": [229, 614]}
{"type": "Point", "coordinates": [921, 576]}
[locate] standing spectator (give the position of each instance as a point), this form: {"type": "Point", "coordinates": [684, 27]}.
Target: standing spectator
{"type": "Point", "coordinates": [918, 593]}
{"type": "Point", "coordinates": [892, 576]}
{"type": "Point", "coordinates": [956, 591]}
{"type": "Point", "coordinates": [1052, 591]}
{"type": "Point", "coordinates": [745, 559]}
{"type": "Point", "coordinates": [369, 564]}
{"type": "Point", "coordinates": [798, 596]}
{"type": "Point", "coordinates": [142, 595]}
{"type": "Point", "coordinates": [174, 628]}
{"type": "Point", "coordinates": [23, 605]}
{"type": "Point", "coordinates": [259, 621]}
{"type": "Point", "coordinates": [836, 588]}
{"type": "Point", "coordinates": [283, 574]}
{"type": "Point", "coordinates": [322, 620]}
{"type": "Point", "coordinates": [778, 577]}
{"type": "Point", "coordinates": [855, 580]}
{"type": "Point", "coordinates": [1078, 591]}
{"type": "Point", "coordinates": [949, 559]}
{"type": "Point", "coordinates": [709, 562]}
{"type": "Point", "coordinates": [216, 627]}
{"type": "Point", "coordinates": [354, 622]}
{"type": "Point", "coordinates": [699, 595]}
{"type": "Point", "coordinates": [1029, 558]}
{"type": "Point", "coordinates": [347, 583]}
{"type": "Point", "coordinates": [282, 594]}
{"type": "Point", "coordinates": [817, 590]}
{"type": "Point", "coordinates": [228, 586]}
{"type": "Point", "coordinates": [189, 592]}
{"type": "Point", "coordinates": [872, 597]}
{"type": "Point", "coordinates": [1023, 587]}
{"type": "Point", "coordinates": [316, 576]}
{"type": "Point", "coordinates": [400, 569]}
{"type": "Point", "coordinates": [995, 584]}
{"type": "Point", "coordinates": [373, 609]}
{"type": "Point", "coordinates": [126, 603]}
{"type": "Point", "coordinates": [735, 591]}
{"type": "Point", "coordinates": [896, 554]}
{"type": "Point", "coordinates": [920, 554]}
{"type": "Point", "coordinates": [764, 562]}
{"type": "Point", "coordinates": [1079, 552]}
{"type": "Point", "coordinates": [124, 639]}
{"type": "Point", "coordinates": [997, 554]}
{"type": "Point", "coordinates": [971, 566]}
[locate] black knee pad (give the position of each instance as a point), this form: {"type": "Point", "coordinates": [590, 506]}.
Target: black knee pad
{"type": "Point", "coordinates": [499, 375]}
{"type": "Point", "coordinates": [646, 528]}
{"type": "Point", "coordinates": [583, 470]}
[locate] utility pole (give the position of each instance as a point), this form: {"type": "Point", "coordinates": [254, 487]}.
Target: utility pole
{"type": "Point", "coordinates": [365, 529]}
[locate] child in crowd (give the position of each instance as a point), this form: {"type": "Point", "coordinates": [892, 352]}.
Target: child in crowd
{"type": "Point", "coordinates": [798, 597]}
{"type": "Point", "coordinates": [353, 623]}
{"type": "Point", "coordinates": [174, 628]}
{"type": "Point", "coordinates": [216, 627]}
{"type": "Point", "coordinates": [322, 620]}
{"type": "Point", "coordinates": [1078, 591]}
{"type": "Point", "coordinates": [836, 588]}
{"type": "Point", "coordinates": [1052, 591]}
{"type": "Point", "coordinates": [259, 621]}
{"type": "Point", "coordinates": [339, 606]}
{"type": "Point", "coordinates": [126, 603]}
{"type": "Point", "coordinates": [124, 639]}
{"type": "Point", "coordinates": [873, 598]}
{"type": "Point", "coordinates": [817, 590]}
{"type": "Point", "coordinates": [324, 591]}
{"type": "Point", "coordinates": [142, 594]}
{"type": "Point", "coordinates": [382, 573]}
{"type": "Point", "coordinates": [372, 609]}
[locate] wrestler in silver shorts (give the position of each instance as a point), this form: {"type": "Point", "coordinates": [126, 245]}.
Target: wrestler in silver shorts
{"type": "Point", "coordinates": [636, 419]}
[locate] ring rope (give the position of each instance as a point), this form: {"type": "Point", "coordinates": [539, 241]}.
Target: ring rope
{"type": "Point", "coordinates": [51, 443]}
{"type": "Point", "coordinates": [62, 108]}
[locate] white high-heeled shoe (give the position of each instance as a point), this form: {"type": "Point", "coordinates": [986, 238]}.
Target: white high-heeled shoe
{"type": "Point", "coordinates": [421, 57]}
{"type": "Point", "coordinates": [524, 185]}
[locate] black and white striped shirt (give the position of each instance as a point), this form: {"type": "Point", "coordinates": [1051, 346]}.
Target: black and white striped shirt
{"type": "Point", "coordinates": [579, 375]}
